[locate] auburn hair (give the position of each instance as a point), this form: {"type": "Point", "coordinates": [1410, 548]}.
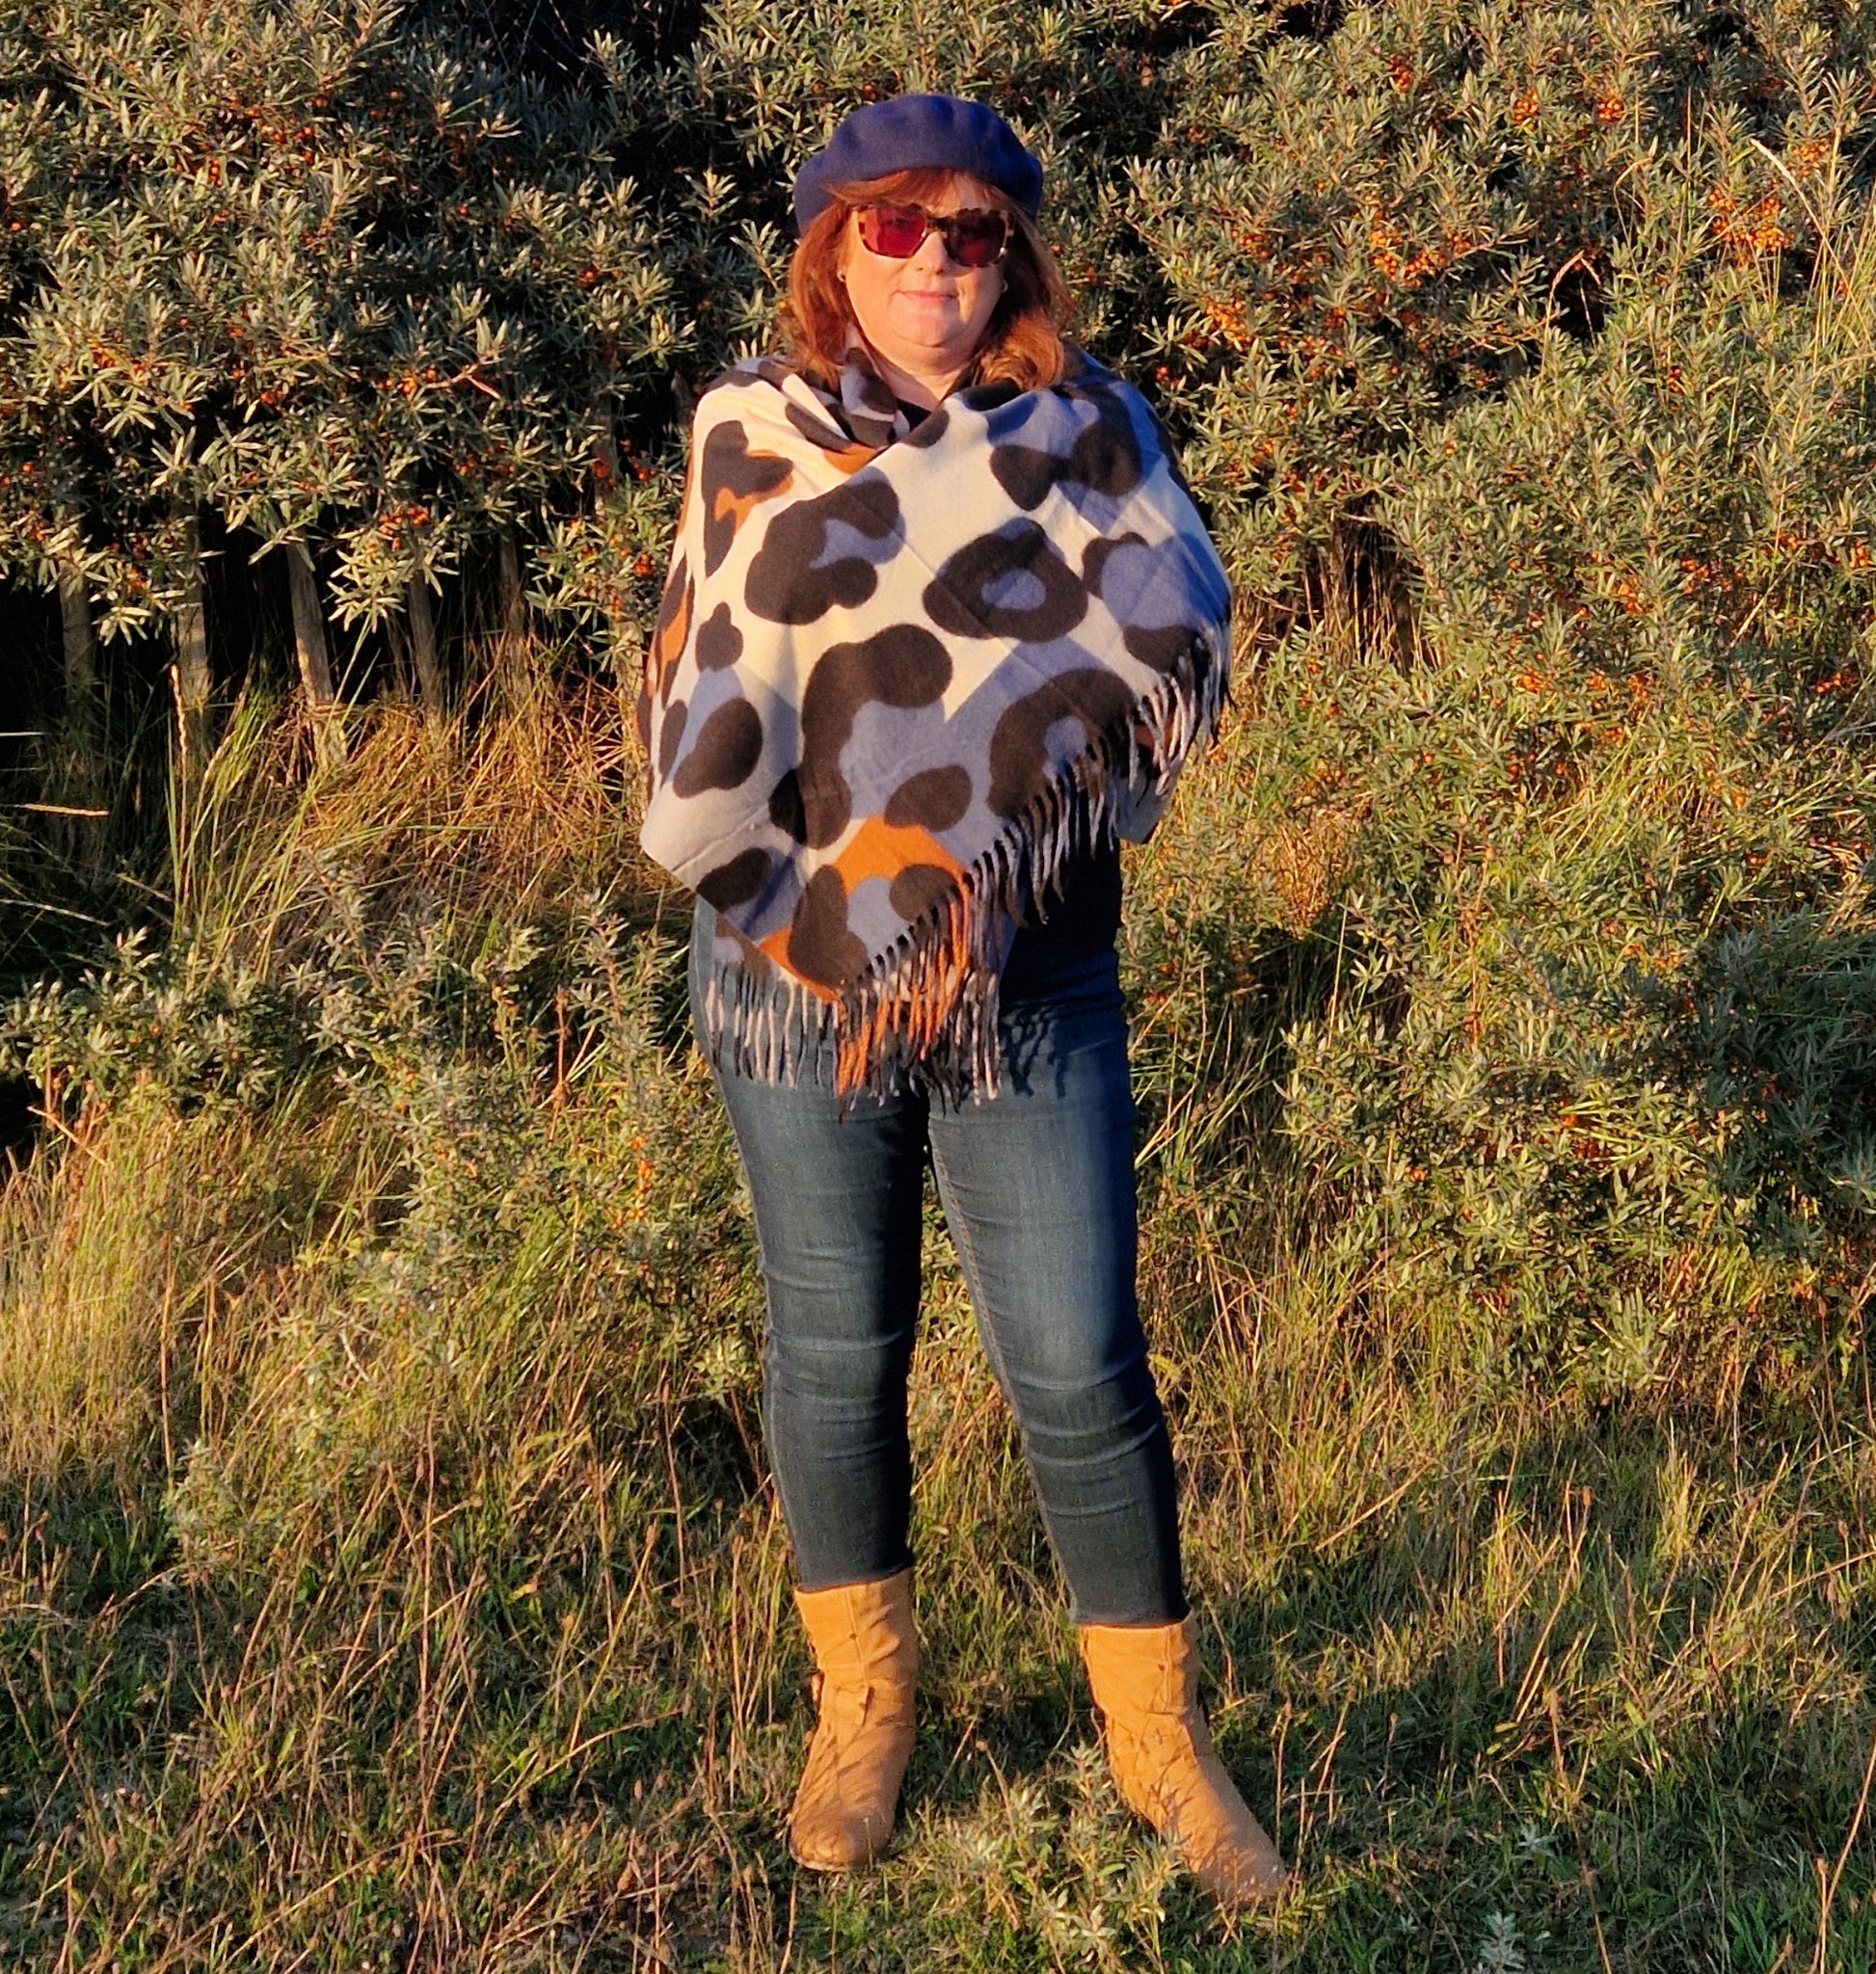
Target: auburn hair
{"type": "Point", "coordinates": [1022, 343]}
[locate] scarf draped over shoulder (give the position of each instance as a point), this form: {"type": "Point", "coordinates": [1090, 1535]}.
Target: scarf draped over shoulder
{"type": "Point", "coordinates": [900, 678]}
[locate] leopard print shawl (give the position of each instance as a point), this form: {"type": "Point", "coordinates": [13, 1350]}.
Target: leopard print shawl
{"type": "Point", "coordinates": [898, 678]}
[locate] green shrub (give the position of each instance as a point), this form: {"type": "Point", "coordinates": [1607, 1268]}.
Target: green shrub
{"type": "Point", "coordinates": [390, 1577]}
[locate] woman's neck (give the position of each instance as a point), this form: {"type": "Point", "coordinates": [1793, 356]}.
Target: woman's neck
{"type": "Point", "coordinates": [928, 388]}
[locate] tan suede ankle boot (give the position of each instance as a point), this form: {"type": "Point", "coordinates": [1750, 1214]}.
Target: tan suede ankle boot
{"type": "Point", "coordinates": [867, 1655]}
{"type": "Point", "coordinates": [1160, 1753]}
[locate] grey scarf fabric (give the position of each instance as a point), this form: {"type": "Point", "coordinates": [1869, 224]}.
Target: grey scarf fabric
{"type": "Point", "coordinates": [898, 678]}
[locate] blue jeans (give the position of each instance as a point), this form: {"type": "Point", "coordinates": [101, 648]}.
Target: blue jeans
{"type": "Point", "coordinates": [1038, 1187]}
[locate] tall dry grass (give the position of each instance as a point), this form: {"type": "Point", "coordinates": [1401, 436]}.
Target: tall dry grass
{"type": "Point", "coordinates": [392, 1579]}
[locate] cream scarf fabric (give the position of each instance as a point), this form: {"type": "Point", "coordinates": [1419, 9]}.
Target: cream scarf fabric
{"type": "Point", "coordinates": [898, 677]}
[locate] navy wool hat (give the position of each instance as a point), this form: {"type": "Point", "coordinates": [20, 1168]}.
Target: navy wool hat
{"type": "Point", "coordinates": [907, 133]}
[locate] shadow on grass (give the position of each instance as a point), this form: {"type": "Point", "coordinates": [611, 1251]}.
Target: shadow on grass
{"type": "Point", "coordinates": [1545, 1709]}
{"type": "Point", "coordinates": [1620, 1732]}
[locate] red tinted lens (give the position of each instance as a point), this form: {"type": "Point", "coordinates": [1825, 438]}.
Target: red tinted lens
{"type": "Point", "coordinates": [896, 231]}
{"type": "Point", "coordinates": [974, 239]}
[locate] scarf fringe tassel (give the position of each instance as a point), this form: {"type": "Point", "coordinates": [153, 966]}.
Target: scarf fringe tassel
{"type": "Point", "coordinates": [927, 1010]}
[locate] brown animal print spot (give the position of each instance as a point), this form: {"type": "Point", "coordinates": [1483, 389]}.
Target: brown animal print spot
{"type": "Point", "coordinates": [822, 948]}
{"type": "Point", "coordinates": [719, 643]}
{"type": "Point", "coordinates": [1105, 459]}
{"type": "Point", "coordinates": [724, 756]}
{"type": "Point", "coordinates": [1164, 649]}
{"type": "Point", "coordinates": [936, 424]}
{"type": "Point", "coordinates": [1103, 551]}
{"type": "Point", "coordinates": [1019, 760]}
{"type": "Point", "coordinates": [919, 887]}
{"type": "Point", "coordinates": [788, 581]}
{"type": "Point", "coordinates": [732, 480]}
{"type": "Point", "coordinates": [1009, 584]}
{"type": "Point", "coordinates": [670, 734]}
{"type": "Point", "coordinates": [736, 882]}
{"type": "Point", "coordinates": [937, 798]}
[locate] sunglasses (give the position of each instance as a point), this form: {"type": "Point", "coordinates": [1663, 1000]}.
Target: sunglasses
{"type": "Point", "coordinates": [976, 238]}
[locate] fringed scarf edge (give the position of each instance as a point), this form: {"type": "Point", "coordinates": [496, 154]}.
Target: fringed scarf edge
{"type": "Point", "coordinates": [927, 1008]}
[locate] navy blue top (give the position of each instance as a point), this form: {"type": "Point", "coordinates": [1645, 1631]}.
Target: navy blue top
{"type": "Point", "coordinates": [1081, 922]}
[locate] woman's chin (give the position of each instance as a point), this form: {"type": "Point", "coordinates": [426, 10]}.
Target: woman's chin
{"type": "Point", "coordinates": [928, 326]}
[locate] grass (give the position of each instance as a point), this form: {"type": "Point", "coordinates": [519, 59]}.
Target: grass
{"type": "Point", "coordinates": [391, 1577]}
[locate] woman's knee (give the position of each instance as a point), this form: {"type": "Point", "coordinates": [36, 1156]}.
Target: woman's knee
{"type": "Point", "coordinates": [860, 1373]}
{"type": "Point", "coordinates": [1089, 1385]}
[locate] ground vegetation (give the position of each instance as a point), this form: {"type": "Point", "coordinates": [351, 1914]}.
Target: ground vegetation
{"type": "Point", "coordinates": [391, 1576]}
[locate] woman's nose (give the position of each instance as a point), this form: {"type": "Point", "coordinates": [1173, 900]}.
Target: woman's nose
{"type": "Point", "coordinates": [932, 255]}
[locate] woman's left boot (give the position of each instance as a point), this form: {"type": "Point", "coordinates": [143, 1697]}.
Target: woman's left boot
{"type": "Point", "coordinates": [1145, 1683]}
{"type": "Point", "coordinates": [867, 1653]}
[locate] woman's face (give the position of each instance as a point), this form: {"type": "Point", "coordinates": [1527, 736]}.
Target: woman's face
{"type": "Point", "coordinates": [925, 315]}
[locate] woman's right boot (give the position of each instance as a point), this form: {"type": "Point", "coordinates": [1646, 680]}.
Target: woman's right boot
{"type": "Point", "coordinates": [866, 1656]}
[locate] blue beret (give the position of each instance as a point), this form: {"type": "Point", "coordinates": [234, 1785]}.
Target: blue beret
{"type": "Point", "coordinates": [905, 133]}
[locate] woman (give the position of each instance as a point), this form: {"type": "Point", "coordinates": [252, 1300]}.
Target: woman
{"type": "Point", "coordinates": [941, 623]}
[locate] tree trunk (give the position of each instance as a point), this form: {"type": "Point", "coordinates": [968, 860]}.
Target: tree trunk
{"type": "Point", "coordinates": [517, 686]}
{"type": "Point", "coordinates": [424, 651]}
{"type": "Point", "coordinates": [84, 737]}
{"type": "Point", "coordinates": [190, 676]}
{"type": "Point", "coordinates": [81, 649]}
{"type": "Point", "coordinates": [315, 660]}
{"type": "Point", "coordinates": [514, 598]}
